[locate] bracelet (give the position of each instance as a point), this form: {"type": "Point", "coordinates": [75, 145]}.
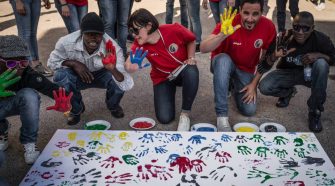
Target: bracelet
{"type": "Point", "coordinates": [61, 5]}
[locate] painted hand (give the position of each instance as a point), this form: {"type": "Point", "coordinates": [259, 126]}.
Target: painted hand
{"type": "Point", "coordinates": [257, 138]}
{"type": "Point", "coordinates": [183, 163]}
{"type": "Point", "coordinates": [312, 147]}
{"type": "Point", "coordinates": [161, 149]}
{"type": "Point", "coordinates": [89, 177]}
{"type": "Point", "coordinates": [109, 60]}
{"type": "Point", "coordinates": [227, 22]}
{"type": "Point", "coordinates": [240, 139]}
{"type": "Point", "coordinates": [226, 138]}
{"type": "Point", "coordinates": [94, 144]}
{"type": "Point", "coordinates": [119, 179]}
{"type": "Point", "coordinates": [176, 137]}
{"type": "Point", "coordinates": [280, 153]}
{"type": "Point", "coordinates": [261, 151]}
{"type": "Point", "coordinates": [130, 159]}
{"type": "Point", "coordinates": [172, 158]}
{"type": "Point", "coordinates": [280, 140]}
{"type": "Point", "coordinates": [197, 164]}
{"type": "Point", "coordinates": [301, 152]}
{"type": "Point", "coordinates": [298, 142]}
{"type": "Point", "coordinates": [196, 139]}
{"type": "Point", "coordinates": [147, 138]}
{"type": "Point", "coordinates": [80, 160]}
{"type": "Point", "coordinates": [222, 156]}
{"type": "Point", "coordinates": [138, 58]}
{"type": "Point", "coordinates": [104, 149]}
{"type": "Point", "coordinates": [127, 145]}
{"type": "Point", "coordinates": [109, 162]}
{"type": "Point", "coordinates": [7, 79]}
{"type": "Point", "coordinates": [142, 152]}
{"type": "Point", "coordinates": [243, 150]}
{"type": "Point", "coordinates": [188, 149]}
{"type": "Point", "coordinates": [62, 102]}
{"type": "Point", "coordinates": [221, 172]}
{"type": "Point", "coordinates": [283, 39]}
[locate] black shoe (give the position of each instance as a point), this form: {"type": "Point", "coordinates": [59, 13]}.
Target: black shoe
{"type": "Point", "coordinates": [75, 119]}
{"type": "Point", "coordinates": [197, 48]}
{"type": "Point", "coordinates": [285, 101]}
{"type": "Point", "coordinates": [315, 121]}
{"type": "Point", "coordinates": [118, 112]}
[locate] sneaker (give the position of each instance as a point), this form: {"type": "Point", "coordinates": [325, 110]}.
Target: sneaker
{"type": "Point", "coordinates": [197, 48]}
{"type": "Point", "coordinates": [42, 70]}
{"type": "Point", "coordinates": [314, 121]}
{"type": "Point", "coordinates": [184, 123]}
{"type": "Point", "coordinates": [285, 101]}
{"type": "Point", "coordinates": [118, 112]}
{"type": "Point", "coordinates": [30, 153]}
{"type": "Point", "coordinates": [4, 136]}
{"type": "Point", "coordinates": [320, 6]}
{"type": "Point", "coordinates": [222, 124]}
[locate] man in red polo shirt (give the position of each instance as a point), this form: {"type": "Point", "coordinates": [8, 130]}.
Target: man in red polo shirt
{"type": "Point", "coordinates": [236, 45]}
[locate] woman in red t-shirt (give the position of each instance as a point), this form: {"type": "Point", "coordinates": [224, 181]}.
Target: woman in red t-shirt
{"type": "Point", "coordinates": [169, 47]}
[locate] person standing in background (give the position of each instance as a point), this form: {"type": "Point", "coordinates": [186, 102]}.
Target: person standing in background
{"type": "Point", "coordinates": [183, 12]}
{"type": "Point", "coordinates": [27, 14]}
{"type": "Point", "coordinates": [193, 7]}
{"type": "Point", "coordinates": [217, 7]}
{"type": "Point", "coordinates": [72, 11]}
{"type": "Point", "coordinates": [281, 12]}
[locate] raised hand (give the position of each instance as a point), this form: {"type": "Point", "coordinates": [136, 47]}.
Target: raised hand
{"type": "Point", "coordinates": [7, 79]}
{"type": "Point", "coordinates": [138, 57]}
{"type": "Point", "coordinates": [227, 22]}
{"type": "Point", "coordinates": [62, 102]}
{"type": "Point", "coordinates": [109, 60]}
{"type": "Point", "coordinates": [283, 39]}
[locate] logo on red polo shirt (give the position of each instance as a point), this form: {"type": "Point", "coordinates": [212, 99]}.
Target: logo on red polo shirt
{"type": "Point", "coordinates": [173, 48]}
{"type": "Point", "coordinates": [258, 43]}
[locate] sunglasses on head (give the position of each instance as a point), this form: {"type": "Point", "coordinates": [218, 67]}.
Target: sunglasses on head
{"type": "Point", "coordinates": [304, 28]}
{"type": "Point", "coordinates": [13, 63]}
{"type": "Point", "coordinates": [134, 31]}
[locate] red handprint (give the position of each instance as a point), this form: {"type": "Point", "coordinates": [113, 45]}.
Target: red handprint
{"type": "Point", "coordinates": [155, 171]}
{"type": "Point", "coordinates": [120, 179]}
{"type": "Point", "coordinates": [197, 164]}
{"type": "Point", "coordinates": [62, 102]}
{"type": "Point", "coordinates": [222, 156]}
{"type": "Point", "coordinates": [183, 162]}
{"type": "Point", "coordinates": [110, 162]}
{"type": "Point", "coordinates": [110, 58]}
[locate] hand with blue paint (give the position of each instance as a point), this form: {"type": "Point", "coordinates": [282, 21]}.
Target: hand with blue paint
{"type": "Point", "coordinates": [261, 151]}
{"type": "Point", "coordinates": [176, 137]}
{"type": "Point", "coordinates": [147, 138]}
{"type": "Point", "coordinates": [142, 152]}
{"type": "Point", "coordinates": [188, 150]}
{"type": "Point", "coordinates": [161, 149]}
{"type": "Point", "coordinates": [196, 139]}
{"type": "Point", "coordinates": [172, 158]}
{"type": "Point", "coordinates": [130, 159]}
{"type": "Point", "coordinates": [226, 138]}
{"type": "Point", "coordinates": [138, 57]}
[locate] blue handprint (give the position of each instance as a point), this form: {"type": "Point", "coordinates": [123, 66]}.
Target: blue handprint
{"type": "Point", "coordinates": [138, 57]}
{"type": "Point", "coordinates": [160, 149]}
{"type": "Point", "coordinates": [147, 138]}
{"type": "Point", "coordinates": [176, 137]}
{"type": "Point", "coordinates": [142, 152]}
{"type": "Point", "coordinates": [188, 150]}
{"type": "Point", "coordinates": [172, 158]}
{"type": "Point", "coordinates": [196, 139]}
{"type": "Point", "coordinates": [226, 137]}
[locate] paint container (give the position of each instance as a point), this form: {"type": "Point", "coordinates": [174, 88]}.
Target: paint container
{"type": "Point", "coordinates": [203, 127]}
{"type": "Point", "coordinates": [245, 127]}
{"type": "Point", "coordinates": [97, 125]}
{"type": "Point", "coordinates": [142, 123]}
{"type": "Point", "coordinates": [272, 127]}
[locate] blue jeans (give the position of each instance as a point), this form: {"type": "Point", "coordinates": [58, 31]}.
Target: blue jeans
{"type": "Point", "coordinates": [77, 13]}
{"type": "Point", "coordinates": [281, 12]}
{"type": "Point", "coordinates": [68, 79]}
{"type": "Point", "coordinates": [279, 82]}
{"type": "Point", "coordinates": [224, 70]}
{"type": "Point", "coordinates": [193, 7]}
{"type": "Point", "coordinates": [2, 159]}
{"type": "Point", "coordinates": [25, 103]}
{"type": "Point", "coordinates": [164, 94]}
{"type": "Point", "coordinates": [183, 12]}
{"type": "Point", "coordinates": [27, 24]}
{"type": "Point", "coordinates": [217, 9]}
{"type": "Point", "coordinates": [115, 13]}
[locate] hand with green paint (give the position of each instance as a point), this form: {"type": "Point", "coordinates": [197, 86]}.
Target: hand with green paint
{"type": "Point", "coordinates": [7, 79]}
{"type": "Point", "coordinates": [300, 152]}
{"type": "Point", "coordinates": [280, 140]}
{"type": "Point", "coordinates": [298, 142]}
{"type": "Point", "coordinates": [130, 159]}
{"type": "Point", "coordinates": [244, 150]}
{"type": "Point", "coordinates": [312, 147]}
{"type": "Point", "coordinates": [260, 174]}
{"type": "Point", "coordinates": [94, 144]}
{"type": "Point", "coordinates": [261, 151]}
{"type": "Point", "coordinates": [280, 153]}
{"type": "Point", "coordinates": [257, 138]}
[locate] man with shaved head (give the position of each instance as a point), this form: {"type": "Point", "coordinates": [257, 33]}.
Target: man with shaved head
{"type": "Point", "coordinates": [298, 47]}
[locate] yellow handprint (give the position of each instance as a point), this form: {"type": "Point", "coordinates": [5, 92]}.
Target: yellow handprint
{"type": "Point", "coordinates": [81, 143]}
{"type": "Point", "coordinates": [126, 146]}
{"type": "Point", "coordinates": [226, 21]}
{"type": "Point", "coordinates": [104, 149]}
{"type": "Point", "coordinates": [72, 136]}
{"type": "Point", "coordinates": [55, 153]}
{"type": "Point", "coordinates": [110, 137]}
{"type": "Point", "coordinates": [123, 135]}
{"type": "Point", "coordinates": [96, 136]}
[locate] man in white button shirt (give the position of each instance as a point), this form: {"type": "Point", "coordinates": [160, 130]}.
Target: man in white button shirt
{"type": "Point", "coordinates": [78, 64]}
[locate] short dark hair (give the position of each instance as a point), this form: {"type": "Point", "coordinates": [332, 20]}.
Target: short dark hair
{"type": "Point", "coordinates": [141, 18]}
{"type": "Point", "coordinates": [260, 2]}
{"type": "Point", "coordinates": [306, 16]}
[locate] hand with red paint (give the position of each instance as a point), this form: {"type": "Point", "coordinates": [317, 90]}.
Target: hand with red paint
{"type": "Point", "coordinates": [62, 102]}
{"type": "Point", "coordinates": [109, 162]}
{"type": "Point", "coordinates": [223, 156]}
{"type": "Point", "coordinates": [109, 60]}
{"type": "Point", "coordinates": [158, 171]}
{"type": "Point", "coordinates": [183, 163]}
{"type": "Point", "coordinates": [198, 164]}
{"type": "Point", "coordinates": [120, 179]}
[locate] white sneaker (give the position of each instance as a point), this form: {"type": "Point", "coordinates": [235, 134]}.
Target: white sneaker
{"type": "Point", "coordinates": [30, 153]}
{"type": "Point", "coordinates": [222, 124]}
{"type": "Point", "coordinates": [184, 123]}
{"type": "Point", "coordinates": [320, 6]}
{"type": "Point", "coordinates": [4, 136]}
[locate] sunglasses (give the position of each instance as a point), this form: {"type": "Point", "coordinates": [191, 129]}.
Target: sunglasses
{"type": "Point", "coordinates": [134, 31]}
{"type": "Point", "coordinates": [14, 63]}
{"type": "Point", "coordinates": [304, 28]}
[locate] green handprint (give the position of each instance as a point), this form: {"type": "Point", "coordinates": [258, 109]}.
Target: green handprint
{"type": "Point", "coordinates": [130, 159]}
{"type": "Point", "coordinates": [298, 142]}
{"type": "Point", "coordinates": [261, 151]}
{"type": "Point", "coordinates": [287, 172]}
{"type": "Point", "coordinates": [226, 22]}
{"type": "Point", "coordinates": [257, 138]}
{"type": "Point", "coordinates": [260, 174]}
{"type": "Point", "coordinates": [312, 147]}
{"type": "Point", "coordinates": [7, 79]}
{"type": "Point", "coordinates": [300, 152]}
{"type": "Point", "coordinates": [244, 150]}
{"type": "Point", "coordinates": [280, 140]}
{"type": "Point", "coordinates": [317, 173]}
{"type": "Point", "coordinates": [280, 153]}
